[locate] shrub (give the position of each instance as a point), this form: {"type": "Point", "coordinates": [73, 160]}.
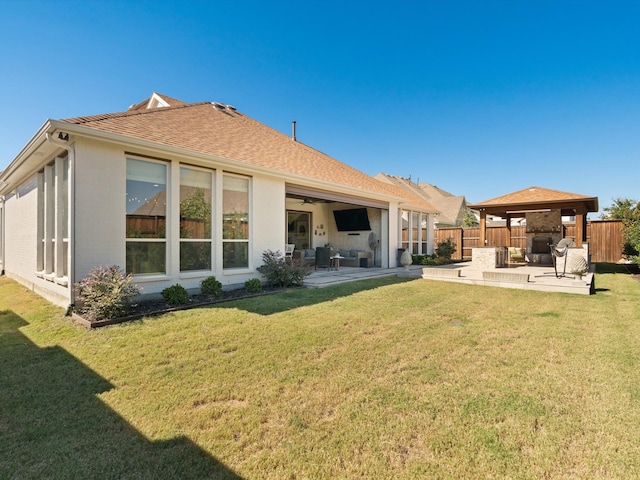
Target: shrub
{"type": "Point", "coordinates": [253, 286]}
{"type": "Point", "coordinates": [211, 286]}
{"type": "Point", "coordinates": [418, 259]}
{"type": "Point", "coordinates": [175, 295]}
{"type": "Point", "coordinates": [446, 249]}
{"type": "Point", "coordinates": [629, 250]}
{"type": "Point", "coordinates": [105, 293]}
{"type": "Point", "coordinates": [426, 260]}
{"type": "Point", "coordinates": [280, 272]}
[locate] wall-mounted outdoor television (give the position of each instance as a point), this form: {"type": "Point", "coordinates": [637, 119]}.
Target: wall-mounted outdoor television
{"type": "Point", "coordinates": [352, 220]}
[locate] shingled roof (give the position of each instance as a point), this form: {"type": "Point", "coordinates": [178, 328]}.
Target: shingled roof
{"type": "Point", "coordinates": [536, 197]}
{"type": "Point", "coordinates": [220, 130]}
{"type": "Point", "coordinates": [451, 207]}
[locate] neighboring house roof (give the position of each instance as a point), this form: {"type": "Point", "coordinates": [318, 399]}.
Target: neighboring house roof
{"type": "Point", "coordinates": [537, 197]}
{"type": "Point", "coordinates": [222, 131]}
{"type": "Point", "coordinates": [451, 207]}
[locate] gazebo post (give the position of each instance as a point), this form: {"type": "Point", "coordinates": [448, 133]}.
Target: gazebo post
{"type": "Point", "coordinates": [509, 230]}
{"type": "Point", "coordinates": [483, 227]}
{"type": "Point", "coordinates": [581, 220]}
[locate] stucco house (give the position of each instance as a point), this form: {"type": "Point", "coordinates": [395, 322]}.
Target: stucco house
{"type": "Point", "coordinates": [174, 192]}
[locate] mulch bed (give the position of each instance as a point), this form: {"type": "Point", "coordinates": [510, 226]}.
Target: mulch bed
{"type": "Point", "coordinates": [160, 307]}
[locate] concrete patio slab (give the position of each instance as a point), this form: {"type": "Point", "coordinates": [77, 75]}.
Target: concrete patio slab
{"type": "Point", "coordinates": [524, 277]}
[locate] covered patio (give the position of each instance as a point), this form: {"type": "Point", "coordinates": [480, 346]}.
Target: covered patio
{"type": "Point", "coordinates": [542, 210]}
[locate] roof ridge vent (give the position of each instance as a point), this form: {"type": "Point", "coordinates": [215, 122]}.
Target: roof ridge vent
{"type": "Point", "coordinates": [218, 105]}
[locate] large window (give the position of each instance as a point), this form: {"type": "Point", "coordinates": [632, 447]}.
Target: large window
{"type": "Point", "coordinates": [146, 217]}
{"type": "Point", "coordinates": [195, 219]}
{"type": "Point", "coordinates": [235, 222]}
{"type": "Point", "coordinates": [413, 231]}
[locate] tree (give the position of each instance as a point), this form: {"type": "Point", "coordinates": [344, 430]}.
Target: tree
{"type": "Point", "coordinates": [627, 210]}
{"type": "Point", "coordinates": [469, 218]}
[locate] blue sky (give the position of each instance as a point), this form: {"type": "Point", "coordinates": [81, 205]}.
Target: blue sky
{"type": "Point", "coordinates": [480, 98]}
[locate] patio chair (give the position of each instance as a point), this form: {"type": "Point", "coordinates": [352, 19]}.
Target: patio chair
{"type": "Point", "coordinates": [288, 251]}
{"type": "Point", "coordinates": [560, 250]}
{"type": "Point", "coordinates": [323, 257]}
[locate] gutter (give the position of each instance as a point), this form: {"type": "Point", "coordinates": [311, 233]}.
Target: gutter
{"type": "Point", "coordinates": [63, 141]}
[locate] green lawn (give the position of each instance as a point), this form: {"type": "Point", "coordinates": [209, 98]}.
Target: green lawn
{"type": "Point", "coordinates": [377, 379]}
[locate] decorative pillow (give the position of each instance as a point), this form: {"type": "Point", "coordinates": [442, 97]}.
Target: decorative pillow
{"type": "Point", "coordinates": [343, 253]}
{"type": "Point", "coordinates": [354, 253]}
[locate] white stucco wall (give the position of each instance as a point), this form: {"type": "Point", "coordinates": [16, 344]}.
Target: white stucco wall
{"type": "Point", "coordinates": [100, 188]}
{"type": "Point", "coordinates": [100, 219]}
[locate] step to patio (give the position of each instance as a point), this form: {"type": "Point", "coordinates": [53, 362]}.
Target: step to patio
{"type": "Point", "coordinates": [505, 277]}
{"type": "Point", "coordinates": [440, 272]}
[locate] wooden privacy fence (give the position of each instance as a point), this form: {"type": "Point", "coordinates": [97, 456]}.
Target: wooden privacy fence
{"type": "Point", "coordinates": [603, 236]}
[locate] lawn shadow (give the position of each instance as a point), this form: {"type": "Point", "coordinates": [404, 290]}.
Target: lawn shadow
{"type": "Point", "coordinates": [53, 425]}
{"type": "Point", "coordinates": [301, 297]}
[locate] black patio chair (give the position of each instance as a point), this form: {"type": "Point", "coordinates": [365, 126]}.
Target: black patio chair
{"type": "Point", "coordinates": [323, 257]}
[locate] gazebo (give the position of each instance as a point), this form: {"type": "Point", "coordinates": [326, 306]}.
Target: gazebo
{"type": "Point", "coordinates": [543, 210]}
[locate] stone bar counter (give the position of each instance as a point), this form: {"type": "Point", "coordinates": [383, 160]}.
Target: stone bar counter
{"type": "Point", "coordinates": [489, 257]}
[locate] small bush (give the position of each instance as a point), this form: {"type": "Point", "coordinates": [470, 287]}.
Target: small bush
{"type": "Point", "coordinates": [105, 293]}
{"type": "Point", "coordinates": [427, 260]}
{"type": "Point", "coordinates": [446, 249]}
{"type": "Point", "coordinates": [629, 250]}
{"type": "Point", "coordinates": [175, 295]}
{"type": "Point", "coordinates": [211, 286]}
{"type": "Point", "coordinates": [253, 286]}
{"type": "Point", "coordinates": [280, 272]}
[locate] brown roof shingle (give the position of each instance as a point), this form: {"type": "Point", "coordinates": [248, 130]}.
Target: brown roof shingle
{"type": "Point", "coordinates": [532, 196]}
{"type": "Point", "coordinates": [219, 130]}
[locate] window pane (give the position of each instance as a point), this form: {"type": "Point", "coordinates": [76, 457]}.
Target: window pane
{"type": "Point", "coordinates": [146, 199]}
{"type": "Point", "coordinates": [423, 227]}
{"type": "Point", "coordinates": [195, 256]}
{"type": "Point", "coordinates": [145, 257]}
{"type": "Point", "coordinates": [235, 204]}
{"type": "Point", "coordinates": [404, 225]}
{"type": "Point", "coordinates": [195, 204]}
{"type": "Point", "coordinates": [414, 227]}
{"type": "Point", "coordinates": [235, 254]}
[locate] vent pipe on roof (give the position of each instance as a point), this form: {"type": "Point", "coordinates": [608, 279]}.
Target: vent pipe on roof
{"type": "Point", "coordinates": [293, 131]}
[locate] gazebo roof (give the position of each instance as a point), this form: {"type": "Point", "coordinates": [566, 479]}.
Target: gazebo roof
{"type": "Point", "coordinates": [535, 199]}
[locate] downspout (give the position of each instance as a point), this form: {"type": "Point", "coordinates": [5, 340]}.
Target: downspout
{"type": "Point", "coordinates": [63, 142]}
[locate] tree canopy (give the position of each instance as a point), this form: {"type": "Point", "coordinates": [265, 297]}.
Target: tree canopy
{"type": "Point", "coordinates": [627, 210]}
